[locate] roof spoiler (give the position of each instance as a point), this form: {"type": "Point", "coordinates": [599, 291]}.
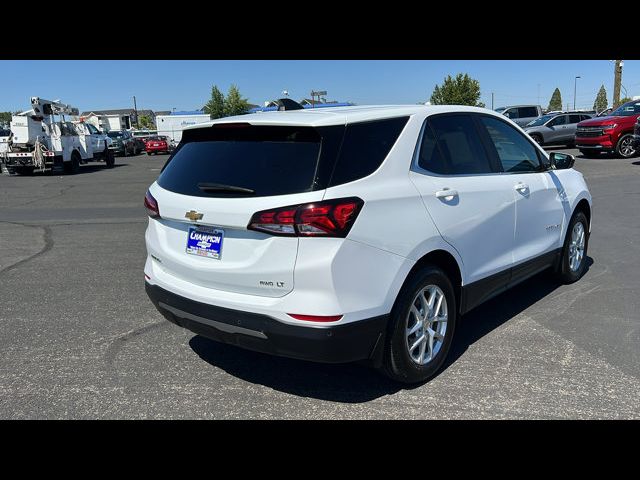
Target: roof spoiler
{"type": "Point", "coordinates": [288, 104]}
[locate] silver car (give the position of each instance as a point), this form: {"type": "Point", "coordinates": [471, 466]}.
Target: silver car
{"type": "Point", "coordinates": [554, 129]}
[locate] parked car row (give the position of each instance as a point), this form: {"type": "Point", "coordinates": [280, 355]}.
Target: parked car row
{"type": "Point", "coordinates": [124, 143]}
{"type": "Point", "coordinates": [610, 131]}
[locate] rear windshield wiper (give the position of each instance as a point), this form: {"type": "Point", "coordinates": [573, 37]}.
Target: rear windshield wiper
{"type": "Point", "coordinates": [218, 187]}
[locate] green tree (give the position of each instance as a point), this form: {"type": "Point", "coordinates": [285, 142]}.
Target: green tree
{"type": "Point", "coordinates": [234, 103]}
{"type": "Point", "coordinates": [146, 122]}
{"type": "Point", "coordinates": [601, 102]}
{"type": "Point", "coordinates": [624, 100]}
{"type": "Point", "coordinates": [5, 117]}
{"type": "Point", "coordinates": [556, 101]}
{"type": "Point", "coordinates": [215, 105]}
{"type": "Point", "coordinates": [462, 90]}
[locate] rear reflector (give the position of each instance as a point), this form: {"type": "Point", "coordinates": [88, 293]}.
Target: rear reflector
{"type": "Point", "coordinates": [329, 218]}
{"type": "Point", "coordinates": [151, 205]}
{"type": "Point", "coordinates": [315, 318]}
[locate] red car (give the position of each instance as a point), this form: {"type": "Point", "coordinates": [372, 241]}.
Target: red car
{"type": "Point", "coordinates": [157, 145]}
{"type": "Point", "coordinates": [613, 133]}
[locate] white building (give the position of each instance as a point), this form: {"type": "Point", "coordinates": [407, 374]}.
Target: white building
{"type": "Point", "coordinates": [173, 124]}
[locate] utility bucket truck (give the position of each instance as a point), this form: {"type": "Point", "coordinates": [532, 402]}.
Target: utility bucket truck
{"type": "Point", "coordinates": [38, 141]}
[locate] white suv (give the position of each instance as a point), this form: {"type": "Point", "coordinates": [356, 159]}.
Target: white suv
{"type": "Point", "coordinates": [357, 233]}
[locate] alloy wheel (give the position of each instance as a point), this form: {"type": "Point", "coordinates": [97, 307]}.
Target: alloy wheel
{"type": "Point", "coordinates": [576, 246]}
{"type": "Point", "coordinates": [426, 324]}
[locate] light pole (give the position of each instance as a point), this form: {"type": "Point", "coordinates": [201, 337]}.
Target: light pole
{"type": "Point", "coordinates": [575, 82]}
{"type": "Point", "coordinates": [135, 109]}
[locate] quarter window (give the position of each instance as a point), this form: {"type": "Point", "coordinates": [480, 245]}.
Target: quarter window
{"type": "Point", "coordinates": [515, 152]}
{"type": "Point", "coordinates": [527, 112]}
{"type": "Point", "coordinates": [451, 146]}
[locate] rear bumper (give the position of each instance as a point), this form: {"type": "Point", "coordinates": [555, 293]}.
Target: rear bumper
{"type": "Point", "coordinates": [156, 150]}
{"type": "Point", "coordinates": [359, 340]}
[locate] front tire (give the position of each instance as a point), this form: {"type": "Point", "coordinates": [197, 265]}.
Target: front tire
{"type": "Point", "coordinates": [574, 252]}
{"type": "Point", "coordinates": [624, 147]}
{"type": "Point", "coordinates": [421, 327]}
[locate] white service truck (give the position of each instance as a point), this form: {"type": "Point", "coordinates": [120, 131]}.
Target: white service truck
{"type": "Point", "coordinates": [38, 141]}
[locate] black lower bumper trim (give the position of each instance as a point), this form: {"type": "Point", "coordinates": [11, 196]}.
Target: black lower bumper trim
{"type": "Point", "coordinates": [330, 344]}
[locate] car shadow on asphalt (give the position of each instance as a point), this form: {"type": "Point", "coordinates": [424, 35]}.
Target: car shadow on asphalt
{"type": "Point", "coordinates": [356, 383]}
{"type": "Point", "coordinates": [500, 309]}
{"type": "Point", "coordinates": [86, 168]}
{"type": "Point", "coordinates": [89, 168]}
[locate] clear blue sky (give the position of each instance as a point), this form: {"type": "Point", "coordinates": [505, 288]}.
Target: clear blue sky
{"type": "Point", "coordinates": [185, 85]}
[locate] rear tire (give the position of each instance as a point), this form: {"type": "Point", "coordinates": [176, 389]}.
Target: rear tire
{"type": "Point", "coordinates": [624, 147]}
{"type": "Point", "coordinates": [417, 315]}
{"type": "Point", "coordinates": [73, 166]}
{"type": "Point", "coordinates": [574, 251]}
{"type": "Point", "coordinates": [24, 170]}
{"type": "Point", "coordinates": [109, 159]}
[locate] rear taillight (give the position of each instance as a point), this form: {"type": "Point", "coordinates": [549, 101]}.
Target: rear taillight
{"type": "Point", "coordinates": [329, 218]}
{"type": "Point", "coordinates": [151, 205]}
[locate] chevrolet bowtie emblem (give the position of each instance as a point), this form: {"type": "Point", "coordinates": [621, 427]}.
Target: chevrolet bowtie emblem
{"type": "Point", "coordinates": [193, 215]}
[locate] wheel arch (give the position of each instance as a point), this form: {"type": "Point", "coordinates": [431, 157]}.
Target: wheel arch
{"type": "Point", "coordinates": [583, 206]}
{"type": "Point", "coordinates": [447, 262]}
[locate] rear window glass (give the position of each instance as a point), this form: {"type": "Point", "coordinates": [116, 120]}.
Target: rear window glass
{"type": "Point", "coordinates": [267, 160]}
{"type": "Point", "coordinates": [364, 148]}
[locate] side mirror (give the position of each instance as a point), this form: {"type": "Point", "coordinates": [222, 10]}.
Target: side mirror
{"type": "Point", "coordinates": [561, 161]}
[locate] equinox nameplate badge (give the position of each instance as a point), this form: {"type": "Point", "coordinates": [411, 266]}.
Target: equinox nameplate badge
{"type": "Point", "coordinates": [193, 215]}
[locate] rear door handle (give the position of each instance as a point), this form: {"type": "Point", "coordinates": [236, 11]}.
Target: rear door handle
{"type": "Point", "coordinates": [446, 193]}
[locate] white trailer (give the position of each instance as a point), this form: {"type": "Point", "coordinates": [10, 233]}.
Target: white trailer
{"type": "Point", "coordinates": [172, 125]}
{"type": "Point", "coordinates": [39, 142]}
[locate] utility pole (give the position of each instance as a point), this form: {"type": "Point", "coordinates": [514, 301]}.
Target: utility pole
{"type": "Point", "coordinates": [491, 100]}
{"type": "Point", "coordinates": [617, 81]}
{"type": "Point", "coordinates": [135, 109]}
{"type": "Point", "coordinates": [575, 83]}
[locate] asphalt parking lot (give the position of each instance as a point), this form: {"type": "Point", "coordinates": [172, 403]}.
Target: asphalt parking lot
{"type": "Point", "coordinates": [80, 339]}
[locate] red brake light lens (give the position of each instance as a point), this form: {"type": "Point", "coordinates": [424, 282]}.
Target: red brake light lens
{"type": "Point", "coordinates": [330, 218]}
{"type": "Point", "coordinates": [315, 318]}
{"type": "Point", "coordinates": [151, 205]}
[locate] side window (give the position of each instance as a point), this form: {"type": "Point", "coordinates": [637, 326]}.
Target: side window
{"type": "Point", "coordinates": [575, 118]}
{"type": "Point", "coordinates": [511, 113]}
{"type": "Point", "coordinates": [559, 120]}
{"type": "Point", "coordinates": [451, 145]}
{"type": "Point", "coordinates": [527, 112]}
{"type": "Point", "coordinates": [515, 152]}
{"type": "Point", "coordinates": [364, 148]}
